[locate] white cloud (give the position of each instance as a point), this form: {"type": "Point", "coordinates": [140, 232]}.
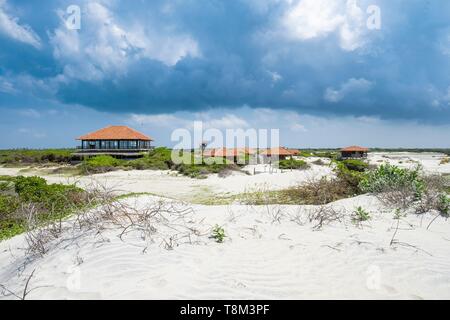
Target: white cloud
{"type": "Point", "coordinates": [228, 121]}
{"type": "Point", "coordinates": [309, 19]}
{"type": "Point", "coordinates": [11, 27]}
{"type": "Point", "coordinates": [352, 85]}
{"type": "Point", "coordinates": [158, 120]}
{"type": "Point", "coordinates": [104, 46]}
{"type": "Point", "coordinates": [297, 127]}
{"type": "Point", "coordinates": [183, 120]}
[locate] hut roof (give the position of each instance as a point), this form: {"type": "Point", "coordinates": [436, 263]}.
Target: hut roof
{"type": "Point", "coordinates": [355, 149]}
{"type": "Point", "coordinates": [280, 151]}
{"type": "Point", "coordinates": [115, 133]}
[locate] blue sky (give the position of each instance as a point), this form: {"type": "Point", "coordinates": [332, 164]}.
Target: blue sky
{"type": "Point", "coordinates": [311, 68]}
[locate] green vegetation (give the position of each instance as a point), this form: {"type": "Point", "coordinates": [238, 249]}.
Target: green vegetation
{"type": "Point", "coordinates": [355, 165]}
{"type": "Point", "coordinates": [444, 204]}
{"type": "Point", "coordinates": [315, 192]}
{"type": "Point", "coordinates": [99, 164]}
{"type": "Point", "coordinates": [200, 171]}
{"type": "Point", "coordinates": [408, 188]}
{"type": "Point", "coordinates": [349, 178]}
{"type": "Point", "coordinates": [28, 157]}
{"type": "Point", "coordinates": [218, 233]}
{"type": "Point", "coordinates": [156, 159]}
{"type": "Point", "coordinates": [326, 154]}
{"type": "Point", "coordinates": [293, 164]}
{"type": "Point", "coordinates": [49, 201]}
{"type": "Point", "coordinates": [388, 177]}
{"type": "Point", "coordinates": [305, 154]}
{"type": "Point", "coordinates": [360, 215]}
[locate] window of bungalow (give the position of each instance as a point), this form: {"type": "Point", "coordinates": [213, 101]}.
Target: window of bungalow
{"type": "Point", "coordinates": [133, 144]}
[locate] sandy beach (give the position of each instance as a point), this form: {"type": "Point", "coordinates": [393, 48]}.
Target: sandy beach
{"type": "Point", "coordinates": [270, 252]}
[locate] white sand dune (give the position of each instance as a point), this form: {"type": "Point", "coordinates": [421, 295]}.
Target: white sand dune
{"type": "Point", "coordinates": [430, 162]}
{"type": "Point", "coordinates": [260, 259]}
{"type": "Point", "coordinates": [169, 184]}
{"type": "Point", "coordinates": [270, 252]}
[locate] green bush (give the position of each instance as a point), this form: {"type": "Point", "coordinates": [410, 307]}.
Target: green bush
{"type": "Point", "coordinates": [218, 233]}
{"type": "Point", "coordinates": [156, 159]}
{"type": "Point", "coordinates": [103, 161]}
{"type": "Point", "coordinates": [8, 205]}
{"type": "Point", "coordinates": [326, 154]}
{"type": "Point", "coordinates": [444, 205]}
{"type": "Point", "coordinates": [32, 189]}
{"type": "Point", "coordinates": [50, 196]}
{"type": "Point", "coordinates": [292, 164]}
{"type": "Point", "coordinates": [35, 156]}
{"type": "Point", "coordinates": [4, 186]}
{"type": "Point", "coordinates": [360, 215]}
{"type": "Point", "coordinates": [351, 179]}
{"type": "Point", "coordinates": [52, 201]}
{"type": "Point", "coordinates": [202, 170]}
{"type": "Point", "coordinates": [388, 177]}
{"type": "Point", "coordinates": [355, 165]}
{"type": "Point", "coordinates": [99, 164]}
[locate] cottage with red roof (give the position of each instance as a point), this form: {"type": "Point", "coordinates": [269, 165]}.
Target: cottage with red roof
{"type": "Point", "coordinates": [353, 152]}
{"type": "Point", "coordinates": [115, 141]}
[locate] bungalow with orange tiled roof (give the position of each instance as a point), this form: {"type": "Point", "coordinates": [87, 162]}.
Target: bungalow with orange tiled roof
{"type": "Point", "coordinates": [354, 152]}
{"type": "Point", "coordinates": [115, 141]}
{"type": "Point", "coordinates": [279, 153]}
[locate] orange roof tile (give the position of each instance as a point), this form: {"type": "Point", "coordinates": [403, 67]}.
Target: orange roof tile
{"type": "Point", "coordinates": [355, 149]}
{"type": "Point", "coordinates": [115, 133]}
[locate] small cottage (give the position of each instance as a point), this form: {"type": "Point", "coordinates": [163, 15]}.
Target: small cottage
{"type": "Point", "coordinates": [354, 152]}
{"type": "Point", "coordinates": [278, 153]}
{"type": "Point", "coordinates": [120, 141]}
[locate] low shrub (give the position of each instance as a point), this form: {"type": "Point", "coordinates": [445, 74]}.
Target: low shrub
{"type": "Point", "coordinates": [100, 164]}
{"type": "Point", "coordinates": [218, 233]}
{"type": "Point", "coordinates": [8, 205]}
{"type": "Point", "coordinates": [293, 164]}
{"type": "Point", "coordinates": [103, 161]}
{"type": "Point", "coordinates": [51, 201]}
{"type": "Point", "coordinates": [326, 154]}
{"type": "Point", "coordinates": [157, 159]}
{"type": "Point", "coordinates": [355, 165]}
{"type": "Point", "coordinates": [360, 215]}
{"type": "Point", "coordinates": [408, 188]}
{"type": "Point", "coordinates": [17, 157]}
{"type": "Point", "coordinates": [350, 179]}
{"type": "Point", "coordinates": [319, 192]}
{"type": "Point", "coordinates": [388, 178]}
